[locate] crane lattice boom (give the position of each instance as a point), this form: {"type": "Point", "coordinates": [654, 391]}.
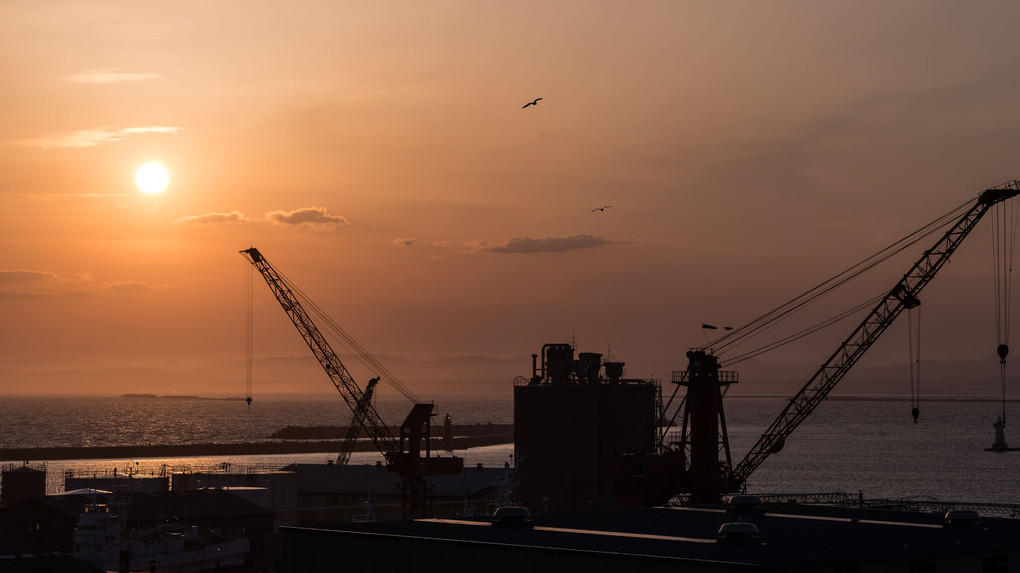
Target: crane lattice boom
{"type": "Point", "coordinates": [363, 415]}
{"type": "Point", "coordinates": [903, 295]}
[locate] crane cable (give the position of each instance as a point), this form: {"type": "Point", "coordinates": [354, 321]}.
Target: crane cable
{"type": "Point", "coordinates": [914, 341]}
{"type": "Point", "coordinates": [801, 301]}
{"type": "Point", "coordinates": [249, 318]}
{"type": "Point", "coordinates": [354, 347]}
{"type": "Point", "coordinates": [349, 343]}
{"type": "Point", "coordinates": [1003, 242]}
{"type": "Point", "coordinates": [810, 330]}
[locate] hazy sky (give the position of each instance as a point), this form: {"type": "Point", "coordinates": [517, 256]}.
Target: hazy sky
{"type": "Point", "coordinates": [377, 154]}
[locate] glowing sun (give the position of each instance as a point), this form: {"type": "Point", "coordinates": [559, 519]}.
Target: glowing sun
{"type": "Point", "coordinates": [152, 178]}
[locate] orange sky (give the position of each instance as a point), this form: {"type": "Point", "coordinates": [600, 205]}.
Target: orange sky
{"type": "Point", "coordinates": [377, 153]}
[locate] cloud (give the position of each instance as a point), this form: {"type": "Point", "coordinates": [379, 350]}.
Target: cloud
{"type": "Point", "coordinates": [48, 196]}
{"type": "Point", "coordinates": [308, 217]}
{"type": "Point", "coordinates": [211, 218]}
{"type": "Point", "coordinates": [93, 137]}
{"type": "Point", "coordinates": [130, 286]}
{"type": "Point", "coordinates": [109, 76]}
{"type": "Point", "coordinates": [152, 129]}
{"type": "Point", "coordinates": [20, 276]}
{"type": "Point", "coordinates": [441, 244]}
{"type": "Point", "coordinates": [41, 296]}
{"type": "Point", "coordinates": [403, 242]}
{"type": "Point", "coordinates": [549, 244]}
{"type": "Point", "coordinates": [473, 247]}
{"type": "Point", "coordinates": [85, 277]}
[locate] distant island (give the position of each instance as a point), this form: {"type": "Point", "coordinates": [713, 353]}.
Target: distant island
{"type": "Point", "coordinates": [174, 397]}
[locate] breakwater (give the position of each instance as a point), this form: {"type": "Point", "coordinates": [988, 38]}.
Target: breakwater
{"type": "Point", "coordinates": [466, 436]}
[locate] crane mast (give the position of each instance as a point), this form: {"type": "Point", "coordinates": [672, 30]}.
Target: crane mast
{"type": "Point", "coordinates": [902, 296]}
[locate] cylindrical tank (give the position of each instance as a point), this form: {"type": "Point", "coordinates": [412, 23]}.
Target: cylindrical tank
{"type": "Point", "coordinates": [21, 483]}
{"type": "Point", "coordinates": [587, 368]}
{"type": "Point", "coordinates": [614, 371]}
{"type": "Point", "coordinates": [556, 444]}
{"type": "Point", "coordinates": [559, 362]}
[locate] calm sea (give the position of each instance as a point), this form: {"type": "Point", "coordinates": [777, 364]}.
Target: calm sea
{"type": "Point", "coordinates": [871, 446]}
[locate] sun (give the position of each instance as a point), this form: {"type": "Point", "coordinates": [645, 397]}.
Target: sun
{"type": "Point", "coordinates": [152, 178]}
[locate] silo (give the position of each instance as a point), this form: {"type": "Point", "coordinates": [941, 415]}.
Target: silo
{"type": "Point", "coordinates": [556, 445]}
{"type": "Point", "coordinates": [566, 435]}
{"type": "Point", "coordinates": [627, 417]}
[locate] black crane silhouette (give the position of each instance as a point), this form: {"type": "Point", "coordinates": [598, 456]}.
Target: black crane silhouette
{"type": "Point", "coordinates": [603, 208]}
{"type": "Point", "coordinates": [535, 102]}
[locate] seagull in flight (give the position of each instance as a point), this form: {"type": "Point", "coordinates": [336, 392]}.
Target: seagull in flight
{"type": "Point", "coordinates": [603, 208]}
{"type": "Point", "coordinates": [535, 102]}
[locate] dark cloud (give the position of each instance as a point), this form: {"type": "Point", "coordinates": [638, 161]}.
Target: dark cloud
{"type": "Point", "coordinates": [211, 218]}
{"type": "Point", "coordinates": [20, 276]}
{"type": "Point", "coordinates": [310, 217]}
{"type": "Point", "coordinates": [550, 244]}
{"type": "Point", "coordinates": [403, 242]}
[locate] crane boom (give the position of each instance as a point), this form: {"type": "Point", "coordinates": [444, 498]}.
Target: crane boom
{"type": "Point", "coordinates": [363, 415]}
{"type": "Point", "coordinates": [356, 424]}
{"type": "Point", "coordinates": [903, 295]}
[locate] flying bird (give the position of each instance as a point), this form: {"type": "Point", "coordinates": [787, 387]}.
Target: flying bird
{"type": "Point", "coordinates": [603, 208]}
{"type": "Point", "coordinates": [531, 103]}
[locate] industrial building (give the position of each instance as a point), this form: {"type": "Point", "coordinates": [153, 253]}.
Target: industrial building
{"type": "Point", "coordinates": [571, 419]}
{"type": "Point", "coordinates": [21, 482]}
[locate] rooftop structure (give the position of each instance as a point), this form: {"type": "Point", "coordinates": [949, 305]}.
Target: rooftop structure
{"type": "Point", "coordinates": [790, 536]}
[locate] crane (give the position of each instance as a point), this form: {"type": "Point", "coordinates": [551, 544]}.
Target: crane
{"type": "Point", "coordinates": [705, 477]}
{"type": "Point", "coordinates": [403, 452]}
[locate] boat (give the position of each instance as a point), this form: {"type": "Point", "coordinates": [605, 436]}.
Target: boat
{"type": "Point", "coordinates": [102, 540]}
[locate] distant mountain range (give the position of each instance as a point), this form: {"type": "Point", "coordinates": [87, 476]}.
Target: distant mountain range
{"type": "Point", "coordinates": [474, 374]}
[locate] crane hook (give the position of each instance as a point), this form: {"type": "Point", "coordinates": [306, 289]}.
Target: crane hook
{"type": "Point", "coordinates": [915, 412]}
{"type": "Point", "coordinates": [1003, 350]}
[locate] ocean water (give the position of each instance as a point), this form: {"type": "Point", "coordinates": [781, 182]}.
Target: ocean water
{"type": "Point", "coordinates": [868, 446]}
{"type": "Point", "coordinates": [43, 421]}
{"type": "Point", "coordinates": [88, 420]}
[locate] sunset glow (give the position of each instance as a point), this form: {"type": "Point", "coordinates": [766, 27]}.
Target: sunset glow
{"type": "Point", "coordinates": [679, 163]}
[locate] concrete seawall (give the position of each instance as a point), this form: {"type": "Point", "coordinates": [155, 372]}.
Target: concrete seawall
{"type": "Point", "coordinates": [464, 437]}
